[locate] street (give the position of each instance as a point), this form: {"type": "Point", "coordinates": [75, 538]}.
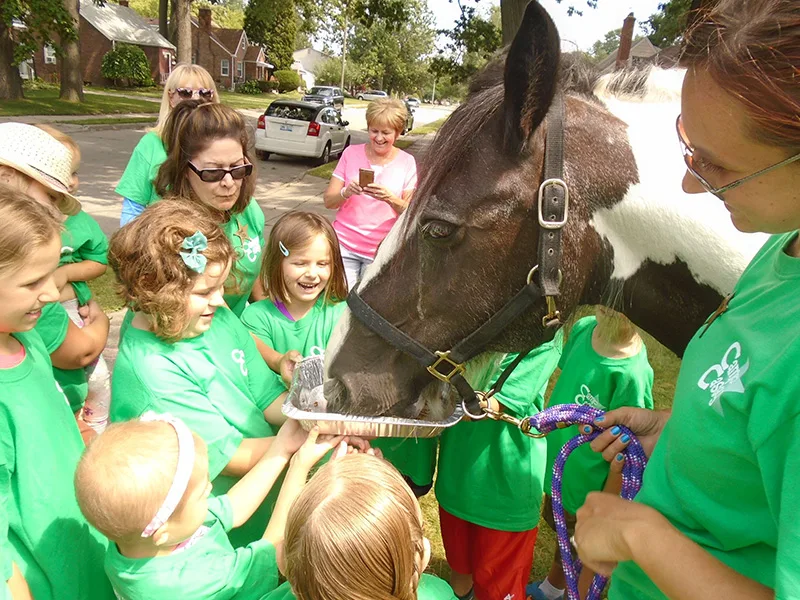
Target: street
{"type": "Point", "coordinates": [105, 154]}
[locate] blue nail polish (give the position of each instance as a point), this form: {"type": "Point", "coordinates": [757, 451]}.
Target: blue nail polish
{"type": "Point", "coordinates": [587, 429]}
{"type": "Point", "coordinates": [619, 457]}
{"type": "Point", "coordinates": [615, 430]}
{"type": "Point", "coordinates": [625, 438]}
{"type": "Point", "coordinates": [600, 419]}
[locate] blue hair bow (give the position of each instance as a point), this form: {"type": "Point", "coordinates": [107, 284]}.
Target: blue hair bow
{"type": "Point", "coordinates": [195, 244]}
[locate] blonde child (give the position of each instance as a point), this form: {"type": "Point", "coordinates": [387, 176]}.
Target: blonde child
{"type": "Point", "coordinates": [47, 549]}
{"type": "Point", "coordinates": [144, 484]}
{"type": "Point", "coordinates": [35, 162]}
{"type": "Point", "coordinates": [490, 480]}
{"type": "Point", "coordinates": [356, 532]}
{"type": "Point", "coordinates": [604, 365]}
{"type": "Point", "coordinates": [83, 258]}
{"type": "Point", "coordinates": [185, 352]}
{"type": "Point", "coordinates": [186, 82]}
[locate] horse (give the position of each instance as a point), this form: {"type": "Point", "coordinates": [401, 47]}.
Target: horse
{"type": "Point", "coordinates": [633, 240]}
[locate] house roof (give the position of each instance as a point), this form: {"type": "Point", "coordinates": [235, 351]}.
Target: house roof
{"type": "Point", "coordinates": [122, 24]}
{"type": "Point", "coordinates": [255, 54]}
{"type": "Point", "coordinates": [644, 48]}
{"type": "Point", "coordinates": [230, 38]}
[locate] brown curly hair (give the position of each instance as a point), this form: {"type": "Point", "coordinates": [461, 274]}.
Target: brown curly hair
{"type": "Point", "coordinates": [151, 275]}
{"type": "Point", "coordinates": [296, 230]}
{"type": "Point", "coordinates": [192, 127]}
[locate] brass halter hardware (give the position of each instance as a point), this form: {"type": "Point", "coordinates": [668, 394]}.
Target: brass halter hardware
{"type": "Point", "coordinates": [553, 316]}
{"type": "Point", "coordinates": [444, 357]}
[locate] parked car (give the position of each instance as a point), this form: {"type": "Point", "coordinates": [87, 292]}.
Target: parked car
{"type": "Point", "coordinates": [409, 118]}
{"type": "Point", "coordinates": [325, 94]}
{"type": "Point", "coordinates": [412, 102]}
{"type": "Point", "coordinates": [372, 95]}
{"type": "Point", "coordinates": [301, 129]}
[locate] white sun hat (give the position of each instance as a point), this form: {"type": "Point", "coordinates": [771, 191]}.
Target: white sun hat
{"type": "Point", "coordinates": [40, 156]}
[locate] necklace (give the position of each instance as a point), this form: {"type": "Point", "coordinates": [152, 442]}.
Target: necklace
{"type": "Point", "coordinates": [375, 159]}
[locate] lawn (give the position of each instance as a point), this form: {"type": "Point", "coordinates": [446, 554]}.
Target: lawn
{"type": "Point", "coordinates": [109, 121]}
{"type": "Point", "coordinates": [46, 102]}
{"type": "Point", "coordinates": [232, 99]}
{"type": "Point", "coordinates": [104, 291]}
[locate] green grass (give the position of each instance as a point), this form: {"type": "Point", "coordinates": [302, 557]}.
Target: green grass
{"type": "Point", "coordinates": [104, 291]}
{"type": "Point", "coordinates": [232, 99]}
{"type": "Point", "coordinates": [431, 127]}
{"type": "Point", "coordinates": [324, 171]}
{"type": "Point", "coordinates": [46, 102]}
{"type": "Point", "coordinates": [109, 121]}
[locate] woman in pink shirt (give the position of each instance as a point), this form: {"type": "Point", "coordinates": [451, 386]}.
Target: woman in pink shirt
{"type": "Point", "coordinates": [366, 214]}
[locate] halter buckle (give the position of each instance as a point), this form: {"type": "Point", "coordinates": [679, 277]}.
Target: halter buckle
{"type": "Point", "coordinates": [557, 224]}
{"type": "Point", "coordinates": [553, 316]}
{"type": "Point", "coordinates": [444, 357]}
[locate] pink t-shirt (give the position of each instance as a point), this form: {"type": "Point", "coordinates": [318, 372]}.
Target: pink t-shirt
{"type": "Point", "coordinates": [363, 221]}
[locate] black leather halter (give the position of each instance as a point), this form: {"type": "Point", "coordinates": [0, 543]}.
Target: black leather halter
{"type": "Point", "coordinates": [543, 281]}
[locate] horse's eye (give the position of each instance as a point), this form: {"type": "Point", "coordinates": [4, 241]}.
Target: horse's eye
{"type": "Point", "coordinates": [438, 230]}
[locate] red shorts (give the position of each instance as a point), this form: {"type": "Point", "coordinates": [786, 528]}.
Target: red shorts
{"type": "Point", "coordinates": [499, 561]}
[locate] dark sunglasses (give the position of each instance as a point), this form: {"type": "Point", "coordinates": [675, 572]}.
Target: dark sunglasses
{"type": "Point", "coordinates": [688, 156]}
{"type": "Point", "coordinates": [186, 93]}
{"type": "Point", "coordinates": [214, 175]}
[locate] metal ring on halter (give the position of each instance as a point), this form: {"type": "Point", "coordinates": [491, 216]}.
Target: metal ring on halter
{"type": "Point", "coordinates": [535, 268]}
{"type": "Point", "coordinates": [478, 417]}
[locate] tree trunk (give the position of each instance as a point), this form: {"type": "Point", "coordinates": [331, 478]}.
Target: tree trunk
{"type": "Point", "coordinates": [10, 81]}
{"type": "Point", "coordinates": [183, 30]}
{"type": "Point", "coordinates": [163, 17]}
{"type": "Point", "coordinates": [511, 13]}
{"type": "Point", "coordinates": [71, 71]}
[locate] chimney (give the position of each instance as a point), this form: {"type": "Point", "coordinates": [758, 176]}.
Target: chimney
{"type": "Point", "coordinates": [204, 18]}
{"type": "Point", "coordinates": [123, 2]}
{"type": "Point", "coordinates": [625, 42]}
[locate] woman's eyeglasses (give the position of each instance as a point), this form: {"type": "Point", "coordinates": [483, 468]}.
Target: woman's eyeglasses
{"type": "Point", "coordinates": [186, 93]}
{"type": "Point", "coordinates": [688, 157]}
{"type": "Point", "coordinates": [215, 175]}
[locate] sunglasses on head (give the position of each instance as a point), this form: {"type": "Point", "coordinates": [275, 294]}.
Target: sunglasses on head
{"type": "Point", "coordinates": [215, 175]}
{"type": "Point", "coordinates": [187, 93]}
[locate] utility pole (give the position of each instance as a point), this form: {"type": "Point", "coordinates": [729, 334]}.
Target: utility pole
{"type": "Point", "coordinates": [344, 46]}
{"type": "Point", "coordinates": [433, 94]}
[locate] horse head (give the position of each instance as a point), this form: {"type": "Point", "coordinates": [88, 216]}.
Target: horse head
{"type": "Point", "coordinates": [468, 242]}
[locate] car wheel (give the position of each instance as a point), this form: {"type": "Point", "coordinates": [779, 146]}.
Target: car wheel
{"type": "Point", "coordinates": [325, 157]}
{"type": "Point", "coordinates": [263, 155]}
{"type": "Point", "coordinates": [361, 98]}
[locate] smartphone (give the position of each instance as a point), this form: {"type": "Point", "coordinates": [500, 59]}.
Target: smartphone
{"type": "Point", "coordinates": [365, 177]}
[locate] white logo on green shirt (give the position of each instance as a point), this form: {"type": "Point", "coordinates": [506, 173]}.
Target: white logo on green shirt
{"type": "Point", "coordinates": [67, 250]}
{"type": "Point", "coordinates": [316, 351]}
{"type": "Point", "coordinates": [586, 397]}
{"type": "Point", "coordinates": [252, 248]}
{"type": "Point", "coordinates": [725, 377]}
{"type": "Point", "coordinates": [238, 357]}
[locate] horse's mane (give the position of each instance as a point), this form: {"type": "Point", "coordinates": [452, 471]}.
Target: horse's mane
{"type": "Point", "coordinates": [578, 76]}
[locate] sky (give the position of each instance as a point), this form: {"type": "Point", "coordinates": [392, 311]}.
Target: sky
{"type": "Point", "coordinates": [583, 31]}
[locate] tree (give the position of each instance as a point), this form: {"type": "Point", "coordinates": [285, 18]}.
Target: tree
{"type": "Point", "coordinates": [666, 27]}
{"type": "Point", "coordinates": [273, 24]}
{"type": "Point", "coordinates": [183, 30]}
{"type": "Point", "coordinates": [71, 71]}
{"type": "Point", "coordinates": [472, 42]}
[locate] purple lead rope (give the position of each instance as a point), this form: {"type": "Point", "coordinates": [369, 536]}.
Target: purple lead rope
{"type": "Point", "coordinates": [632, 471]}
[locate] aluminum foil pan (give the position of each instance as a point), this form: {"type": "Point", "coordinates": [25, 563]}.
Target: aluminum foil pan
{"type": "Point", "coordinates": [306, 404]}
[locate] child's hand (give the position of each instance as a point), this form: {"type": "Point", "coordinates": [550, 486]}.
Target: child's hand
{"type": "Point", "coordinates": [315, 447]}
{"type": "Point", "coordinates": [290, 438]}
{"type": "Point", "coordinates": [90, 312]}
{"type": "Point", "coordinates": [287, 364]}
{"type": "Point", "coordinates": [355, 445]}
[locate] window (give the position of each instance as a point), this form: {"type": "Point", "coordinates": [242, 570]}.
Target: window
{"type": "Point", "coordinates": [225, 67]}
{"type": "Point", "coordinates": [240, 69]}
{"type": "Point", "coordinates": [49, 55]}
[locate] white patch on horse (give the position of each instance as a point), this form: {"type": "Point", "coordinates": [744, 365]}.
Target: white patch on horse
{"type": "Point", "coordinates": [656, 219]}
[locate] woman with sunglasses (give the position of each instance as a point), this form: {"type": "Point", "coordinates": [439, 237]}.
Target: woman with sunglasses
{"type": "Point", "coordinates": [208, 161]}
{"type": "Point", "coordinates": [716, 516]}
{"type": "Point", "coordinates": [186, 82]}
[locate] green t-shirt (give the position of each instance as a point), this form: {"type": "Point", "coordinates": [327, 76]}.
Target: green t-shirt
{"type": "Point", "coordinates": [246, 232]}
{"type": "Point", "coordinates": [430, 588]}
{"type": "Point", "coordinates": [137, 180]}
{"type": "Point", "coordinates": [726, 470]}
{"type": "Point", "coordinates": [206, 566]}
{"type": "Point", "coordinates": [603, 383]}
{"type": "Point", "coordinates": [82, 239]}
{"type": "Point", "coordinates": [42, 529]}
{"type": "Point", "coordinates": [52, 327]}
{"type": "Point", "coordinates": [490, 473]}
{"type": "Point", "coordinates": [413, 457]}
{"type": "Point", "coordinates": [216, 382]}
{"type": "Point", "coordinates": [309, 336]}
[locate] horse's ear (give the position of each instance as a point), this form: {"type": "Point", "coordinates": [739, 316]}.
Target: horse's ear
{"type": "Point", "coordinates": [530, 76]}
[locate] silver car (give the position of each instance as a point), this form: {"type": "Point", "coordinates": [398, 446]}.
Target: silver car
{"type": "Point", "coordinates": [372, 95]}
{"type": "Point", "coordinates": [301, 129]}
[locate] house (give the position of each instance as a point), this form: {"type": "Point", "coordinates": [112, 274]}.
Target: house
{"type": "Point", "coordinates": [306, 62]}
{"type": "Point", "coordinates": [101, 28]}
{"type": "Point", "coordinates": [642, 51]}
{"type": "Point", "coordinates": [226, 53]}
